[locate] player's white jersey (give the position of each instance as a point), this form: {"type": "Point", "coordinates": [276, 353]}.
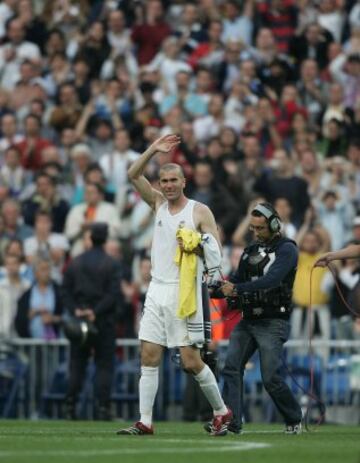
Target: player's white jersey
{"type": "Point", "coordinates": [164, 242]}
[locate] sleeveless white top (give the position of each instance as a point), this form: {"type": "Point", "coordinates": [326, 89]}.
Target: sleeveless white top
{"type": "Point", "coordinates": [163, 267]}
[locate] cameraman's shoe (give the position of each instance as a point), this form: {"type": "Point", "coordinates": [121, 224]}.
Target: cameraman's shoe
{"type": "Point", "coordinates": [295, 428]}
{"type": "Point", "coordinates": [138, 429]}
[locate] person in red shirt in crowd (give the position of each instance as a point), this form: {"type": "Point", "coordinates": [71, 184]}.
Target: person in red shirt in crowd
{"type": "Point", "coordinates": [33, 144]}
{"type": "Point", "coordinates": [209, 53]}
{"type": "Point", "coordinates": [280, 17]}
{"type": "Point", "coordinates": [149, 35]}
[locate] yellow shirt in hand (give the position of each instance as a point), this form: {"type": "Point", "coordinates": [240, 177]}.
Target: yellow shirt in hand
{"type": "Point", "coordinates": [187, 261]}
{"type": "Point", "coordinates": [301, 291]}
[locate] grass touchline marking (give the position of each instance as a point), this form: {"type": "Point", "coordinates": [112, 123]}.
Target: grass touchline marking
{"type": "Point", "coordinates": [230, 447]}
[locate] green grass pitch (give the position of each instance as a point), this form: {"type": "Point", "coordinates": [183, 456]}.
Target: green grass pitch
{"type": "Point", "coordinates": [69, 442]}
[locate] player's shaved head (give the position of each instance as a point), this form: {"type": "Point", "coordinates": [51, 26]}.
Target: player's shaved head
{"type": "Point", "coordinates": [170, 167]}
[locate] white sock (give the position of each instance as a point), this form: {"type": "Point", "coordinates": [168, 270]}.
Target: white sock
{"type": "Point", "coordinates": [209, 386]}
{"type": "Point", "coordinates": [148, 386]}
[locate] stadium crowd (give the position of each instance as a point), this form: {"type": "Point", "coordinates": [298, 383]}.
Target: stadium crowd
{"type": "Point", "coordinates": [265, 96]}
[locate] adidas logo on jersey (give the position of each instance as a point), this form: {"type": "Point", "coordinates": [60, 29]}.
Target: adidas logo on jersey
{"type": "Point", "coordinates": [159, 223]}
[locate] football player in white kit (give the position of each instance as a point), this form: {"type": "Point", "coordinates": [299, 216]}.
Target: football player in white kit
{"type": "Point", "coordinates": [160, 327]}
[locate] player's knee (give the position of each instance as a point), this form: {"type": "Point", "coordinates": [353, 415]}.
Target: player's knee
{"type": "Point", "coordinates": [192, 365]}
{"type": "Point", "coordinates": [149, 360]}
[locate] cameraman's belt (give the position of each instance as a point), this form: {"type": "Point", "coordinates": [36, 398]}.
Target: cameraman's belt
{"type": "Point", "coordinates": [265, 312]}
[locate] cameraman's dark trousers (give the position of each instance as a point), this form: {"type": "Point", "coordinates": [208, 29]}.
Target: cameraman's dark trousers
{"type": "Point", "coordinates": [268, 336]}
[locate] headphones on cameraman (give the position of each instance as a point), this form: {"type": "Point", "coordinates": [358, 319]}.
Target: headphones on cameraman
{"type": "Point", "coordinates": [270, 215]}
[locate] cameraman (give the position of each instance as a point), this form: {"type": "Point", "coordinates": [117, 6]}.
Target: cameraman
{"type": "Point", "coordinates": [90, 288]}
{"type": "Point", "coordinates": [262, 289]}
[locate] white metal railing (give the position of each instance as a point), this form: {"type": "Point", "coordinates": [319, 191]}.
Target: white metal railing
{"type": "Point", "coordinates": [336, 366]}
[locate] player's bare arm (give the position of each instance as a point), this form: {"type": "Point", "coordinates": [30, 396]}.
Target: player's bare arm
{"type": "Point", "coordinates": [205, 221]}
{"type": "Point", "coordinates": [136, 171]}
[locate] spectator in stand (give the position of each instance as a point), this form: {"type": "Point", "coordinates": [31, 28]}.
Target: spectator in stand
{"type": "Point", "coordinates": [238, 25]}
{"type": "Point", "coordinates": [331, 16]}
{"type": "Point", "coordinates": [56, 42]}
{"type": "Point", "coordinates": [116, 163]}
{"type": "Point", "coordinates": [210, 53]}
{"type": "Point", "coordinates": [81, 79]}
{"type": "Point", "coordinates": [14, 228]}
{"type": "Point", "coordinates": [313, 43]}
{"type": "Point", "coordinates": [168, 63]}
{"type": "Point", "coordinates": [94, 174]}
{"type": "Point", "coordinates": [46, 243]}
{"type": "Point", "coordinates": [311, 171]}
{"type": "Point", "coordinates": [9, 132]}
{"type": "Point", "coordinates": [12, 174]}
{"type": "Point", "coordinates": [14, 52]}
{"type": "Point", "coordinates": [97, 130]}
{"type": "Point", "coordinates": [40, 307]}
{"type": "Point", "coordinates": [336, 215]}
{"type": "Point", "coordinates": [46, 198]}
{"type": "Point", "coordinates": [347, 278]}
{"type": "Point", "coordinates": [191, 103]}
{"type": "Point", "coordinates": [81, 157]}
{"type": "Point", "coordinates": [35, 27]}
{"type": "Point", "coordinates": [94, 209]}
{"type": "Point", "coordinates": [313, 241]}
{"type": "Point", "coordinates": [209, 125]}
{"type": "Point", "coordinates": [59, 73]}
{"type": "Point", "coordinates": [334, 141]}
{"type": "Point", "coordinates": [150, 31]}
{"type": "Point", "coordinates": [335, 106]}
{"type": "Point", "coordinates": [312, 91]}
{"type": "Point", "coordinates": [346, 70]}
{"type": "Point", "coordinates": [188, 28]}
{"type": "Point", "coordinates": [215, 196]}
{"type": "Point", "coordinates": [283, 207]}
{"type": "Point", "coordinates": [281, 181]}
{"type": "Point", "coordinates": [95, 48]}
{"type": "Point", "coordinates": [23, 91]}
{"type": "Point", "coordinates": [12, 286]}
{"type": "Point", "coordinates": [7, 10]}
{"type": "Point", "coordinates": [33, 144]}
{"type": "Point", "coordinates": [280, 17]}
{"type": "Point", "coordinates": [118, 35]}
{"type": "Point", "coordinates": [68, 109]}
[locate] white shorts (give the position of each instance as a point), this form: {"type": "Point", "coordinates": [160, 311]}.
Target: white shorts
{"type": "Point", "coordinates": [159, 323]}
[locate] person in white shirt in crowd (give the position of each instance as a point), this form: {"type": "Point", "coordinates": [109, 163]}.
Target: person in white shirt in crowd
{"type": "Point", "coordinates": [116, 163]}
{"type": "Point", "coordinates": [14, 52]}
{"type": "Point", "coordinates": [7, 10]}
{"type": "Point", "coordinates": [209, 126]}
{"type": "Point", "coordinates": [336, 216]}
{"type": "Point", "coordinates": [118, 36]}
{"type": "Point", "coordinates": [238, 25]}
{"type": "Point", "coordinates": [169, 63]}
{"type": "Point", "coordinates": [12, 174]}
{"type": "Point", "coordinates": [331, 17]}
{"type": "Point", "coordinates": [12, 287]}
{"type": "Point", "coordinates": [284, 210]}
{"type": "Point", "coordinates": [9, 133]}
{"type": "Point", "coordinates": [345, 69]}
{"type": "Point", "coordinates": [81, 157]}
{"type": "Point", "coordinates": [46, 243]}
